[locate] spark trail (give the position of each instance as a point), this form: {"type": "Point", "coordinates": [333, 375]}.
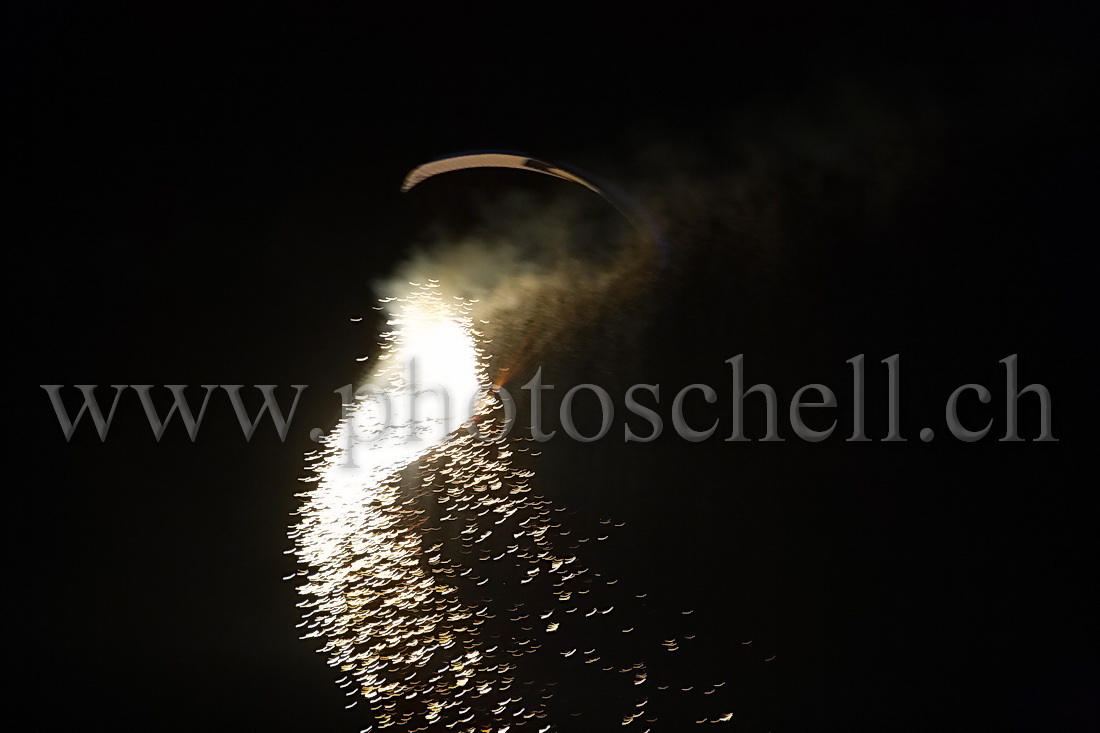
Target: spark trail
{"type": "Point", "coordinates": [431, 569]}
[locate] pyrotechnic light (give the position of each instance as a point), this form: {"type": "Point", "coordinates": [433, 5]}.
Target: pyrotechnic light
{"type": "Point", "coordinates": [401, 551]}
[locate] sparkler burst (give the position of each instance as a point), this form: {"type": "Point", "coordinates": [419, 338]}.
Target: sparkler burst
{"type": "Point", "coordinates": [432, 572]}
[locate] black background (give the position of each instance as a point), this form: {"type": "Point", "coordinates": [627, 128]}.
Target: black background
{"type": "Point", "coordinates": [201, 197]}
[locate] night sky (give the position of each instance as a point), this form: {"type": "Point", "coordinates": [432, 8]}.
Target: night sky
{"type": "Point", "coordinates": [205, 197]}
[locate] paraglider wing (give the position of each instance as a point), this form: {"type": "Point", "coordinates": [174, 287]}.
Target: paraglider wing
{"type": "Point", "coordinates": [627, 207]}
{"type": "Point", "coordinates": [492, 160]}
